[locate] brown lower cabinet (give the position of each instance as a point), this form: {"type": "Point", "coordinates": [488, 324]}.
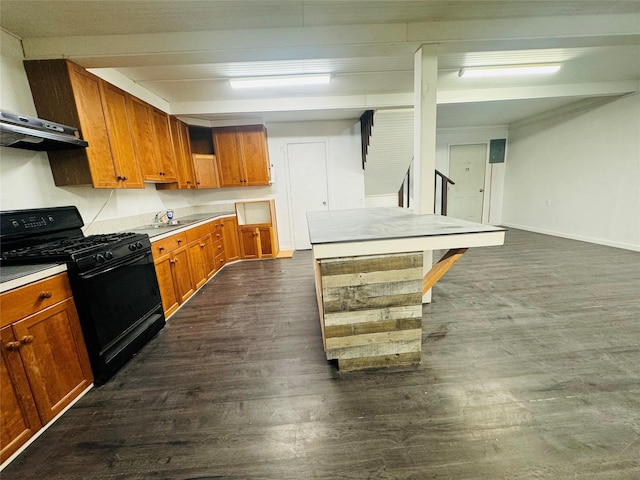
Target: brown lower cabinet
{"type": "Point", "coordinates": [201, 255]}
{"type": "Point", "coordinates": [257, 241]}
{"type": "Point", "coordinates": [186, 261]}
{"type": "Point", "coordinates": [171, 259]}
{"type": "Point", "coordinates": [230, 239]}
{"type": "Point", "coordinates": [44, 365]}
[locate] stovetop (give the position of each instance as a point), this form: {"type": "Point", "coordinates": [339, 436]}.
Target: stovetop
{"type": "Point", "coordinates": [54, 235]}
{"type": "Point", "coordinates": [84, 252]}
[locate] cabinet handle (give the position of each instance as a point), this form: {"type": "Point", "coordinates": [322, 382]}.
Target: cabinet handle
{"type": "Point", "coordinates": [26, 339]}
{"type": "Point", "coordinates": [45, 294]}
{"type": "Point", "coordinates": [219, 247]}
{"type": "Point", "coordinates": [13, 346]}
{"type": "Point", "coordinates": [202, 245]}
{"type": "Point", "coordinates": [173, 260]}
{"type": "Point", "coordinates": [217, 235]}
{"type": "Point", "coordinates": [179, 242]}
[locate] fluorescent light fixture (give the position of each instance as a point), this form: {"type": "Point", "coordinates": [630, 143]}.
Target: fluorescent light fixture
{"type": "Point", "coordinates": [509, 70]}
{"type": "Point", "coordinates": [280, 81]}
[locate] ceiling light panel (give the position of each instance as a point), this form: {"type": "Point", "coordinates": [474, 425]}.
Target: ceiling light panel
{"type": "Point", "coordinates": [509, 70]}
{"type": "Point", "coordinates": [280, 81]}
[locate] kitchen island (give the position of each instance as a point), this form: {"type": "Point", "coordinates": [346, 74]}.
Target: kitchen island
{"type": "Point", "coordinates": [370, 278]}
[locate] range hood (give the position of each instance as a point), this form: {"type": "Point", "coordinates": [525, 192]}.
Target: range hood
{"type": "Point", "coordinates": [30, 133]}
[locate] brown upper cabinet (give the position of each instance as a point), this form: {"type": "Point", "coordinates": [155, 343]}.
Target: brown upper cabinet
{"type": "Point", "coordinates": [241, 155]}
{"type": "Point", "coordinates": [182, 153]}
{"type": "Point", "coordinates": [66, 93]}
{"type": "Point", "coordinates": [150, 132]}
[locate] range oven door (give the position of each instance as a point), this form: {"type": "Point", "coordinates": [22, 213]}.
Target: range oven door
{"type": "Point", "coordinates": [120, 310]}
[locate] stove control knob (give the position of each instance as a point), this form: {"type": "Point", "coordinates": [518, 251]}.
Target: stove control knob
{"type": "Point", "coordinates": [132, 246]}
{"type": "Point", "coordinates": [138, 245]}
{"type": "Point", "coordinates": [108, 255]}
{"type": "Point", "coordinates": [99, 258]}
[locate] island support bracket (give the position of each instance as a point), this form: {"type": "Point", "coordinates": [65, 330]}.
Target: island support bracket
{"type": "Point", "coordinates": [441, 267]}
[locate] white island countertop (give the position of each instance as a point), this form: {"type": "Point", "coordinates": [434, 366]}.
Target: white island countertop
{"type": "Point", "coordinates": [369, 231]}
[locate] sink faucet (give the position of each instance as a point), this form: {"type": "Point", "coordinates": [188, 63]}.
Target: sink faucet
{"type": "Point", "coordinates": [163, 216]}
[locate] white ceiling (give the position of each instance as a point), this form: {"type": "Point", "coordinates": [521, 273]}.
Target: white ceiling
{"type": "Point", "coordinates": [185, 51]}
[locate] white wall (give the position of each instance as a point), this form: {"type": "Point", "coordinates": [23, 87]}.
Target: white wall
{"type": "Point", "coordinates": [345, 177]}
{"type": "Point", "coordinates": [494, 174]}
{"type": "Point", "coordinates": [577, 174]}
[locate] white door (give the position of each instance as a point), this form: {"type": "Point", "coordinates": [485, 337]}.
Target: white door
{"type": "Point", "coordinates": [466, 169]}
{"type": "Point", "coordinates": [307, 164]}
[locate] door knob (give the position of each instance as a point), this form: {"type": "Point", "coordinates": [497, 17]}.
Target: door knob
{"type": "Point", "coordinates": [324, 203]}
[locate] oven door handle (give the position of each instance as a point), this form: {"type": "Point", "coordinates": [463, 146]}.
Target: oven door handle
{"type": "Point", "coordinates": [113, 266]}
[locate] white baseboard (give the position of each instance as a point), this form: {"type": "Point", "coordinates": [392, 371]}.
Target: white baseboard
{"type": "Point", "coordinates": [581, 238]}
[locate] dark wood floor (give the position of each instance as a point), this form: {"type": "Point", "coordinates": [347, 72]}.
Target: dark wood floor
{"type": "Point", "coordinates": [530, 370]}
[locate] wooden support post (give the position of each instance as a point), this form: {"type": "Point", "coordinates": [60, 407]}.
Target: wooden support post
{"type": "Point", "coordinates": [441, 267]}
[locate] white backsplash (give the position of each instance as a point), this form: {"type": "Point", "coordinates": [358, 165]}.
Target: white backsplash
{"type": "Point", "coordinates": [130, 222]}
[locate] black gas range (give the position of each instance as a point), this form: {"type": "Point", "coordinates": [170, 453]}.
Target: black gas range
{"type": "Point", "coordinates": [112, 278]}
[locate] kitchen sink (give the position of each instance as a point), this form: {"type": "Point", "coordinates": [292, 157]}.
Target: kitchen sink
{"type": "Point", "coordinates": [172, 223]}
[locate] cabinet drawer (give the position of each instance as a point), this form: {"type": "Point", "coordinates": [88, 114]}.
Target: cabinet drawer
{"type": "Point", "coordinates": [216, 230]}
{"type": "Point", "coordinates": [216, 227]}
{"type": "Point", "coordinates": [218, 247]}
{"type": "Point", "coordinates": [197, 232]}
{"type": "Point", "coordinates": [23, 301]}
{"type": "Point", "coordinates": [166, 245]}
{"type": "Point", "coordinates": [219, 261]}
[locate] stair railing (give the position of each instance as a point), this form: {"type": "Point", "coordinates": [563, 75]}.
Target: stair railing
{"type": "Point", "coordinates": [444, 182]}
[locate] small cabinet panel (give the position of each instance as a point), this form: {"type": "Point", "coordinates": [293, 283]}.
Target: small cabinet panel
{"type": "Point", "coordinates": [230, 239]}
{"type": "Point", "coordinates": [120, 136]}
{"type": "Point", "coordinates": [144, 140]}
{"type": "Point", "coordinates": [249, 243]}
{"type": "Point", "coordinates": [163, 146]}
{"type": "Point", "coordinates": [182, 154]}
{"type": "Point", "coordinates": [201, 260]}
{"type": "Point", "coordinates": [228, 156]}
{"type": "Point", "coordinates": [255, 156]}
{"type": "Point", "coordinates": [54, 356]}
{"type": "Point", "coordinates": [206, 171]}
{"type": "Point", "coordinates": [20, 419]}
{"type": "Point", "coordinates": [168, 294]}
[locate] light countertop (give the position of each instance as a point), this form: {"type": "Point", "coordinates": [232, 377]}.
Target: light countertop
{"type": "Point", "coordinates": [385, 223]}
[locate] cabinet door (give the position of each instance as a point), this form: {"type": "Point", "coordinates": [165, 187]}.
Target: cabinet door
{"type": "Point", "coordinates": [255, 156]}
{"type": "Point", "coordinates": [182, 274]}
{"type": "Point", "coordinates": [55, 358]}
{"type": "Point", "coordinates": [170, 300]}
{"type": "Point", "coordinates": [249, 242]}
{"type": "Point", "coordinates": [200, 260]}
{"type": "Point", "coordinates": [120, 138]}
{"type": "Point", "coordinates": [266, 241]}
{"type": "Point", "coordinates": [143, 140]}
{"type": "Point", "coordinates": [230, 239]}
{"type": "Point", "coordinates": [228, 157]}
{"type": "Point", "coordinates": [186, 178]}
{"type": "Point", "coordinates": [206, 171]}
{"type": "Point", "coordinates": [86, 90]}
{"type": "Point", "coordinates": [19, 419]}
{"type": "Point", "coordinates": [162, 143]}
